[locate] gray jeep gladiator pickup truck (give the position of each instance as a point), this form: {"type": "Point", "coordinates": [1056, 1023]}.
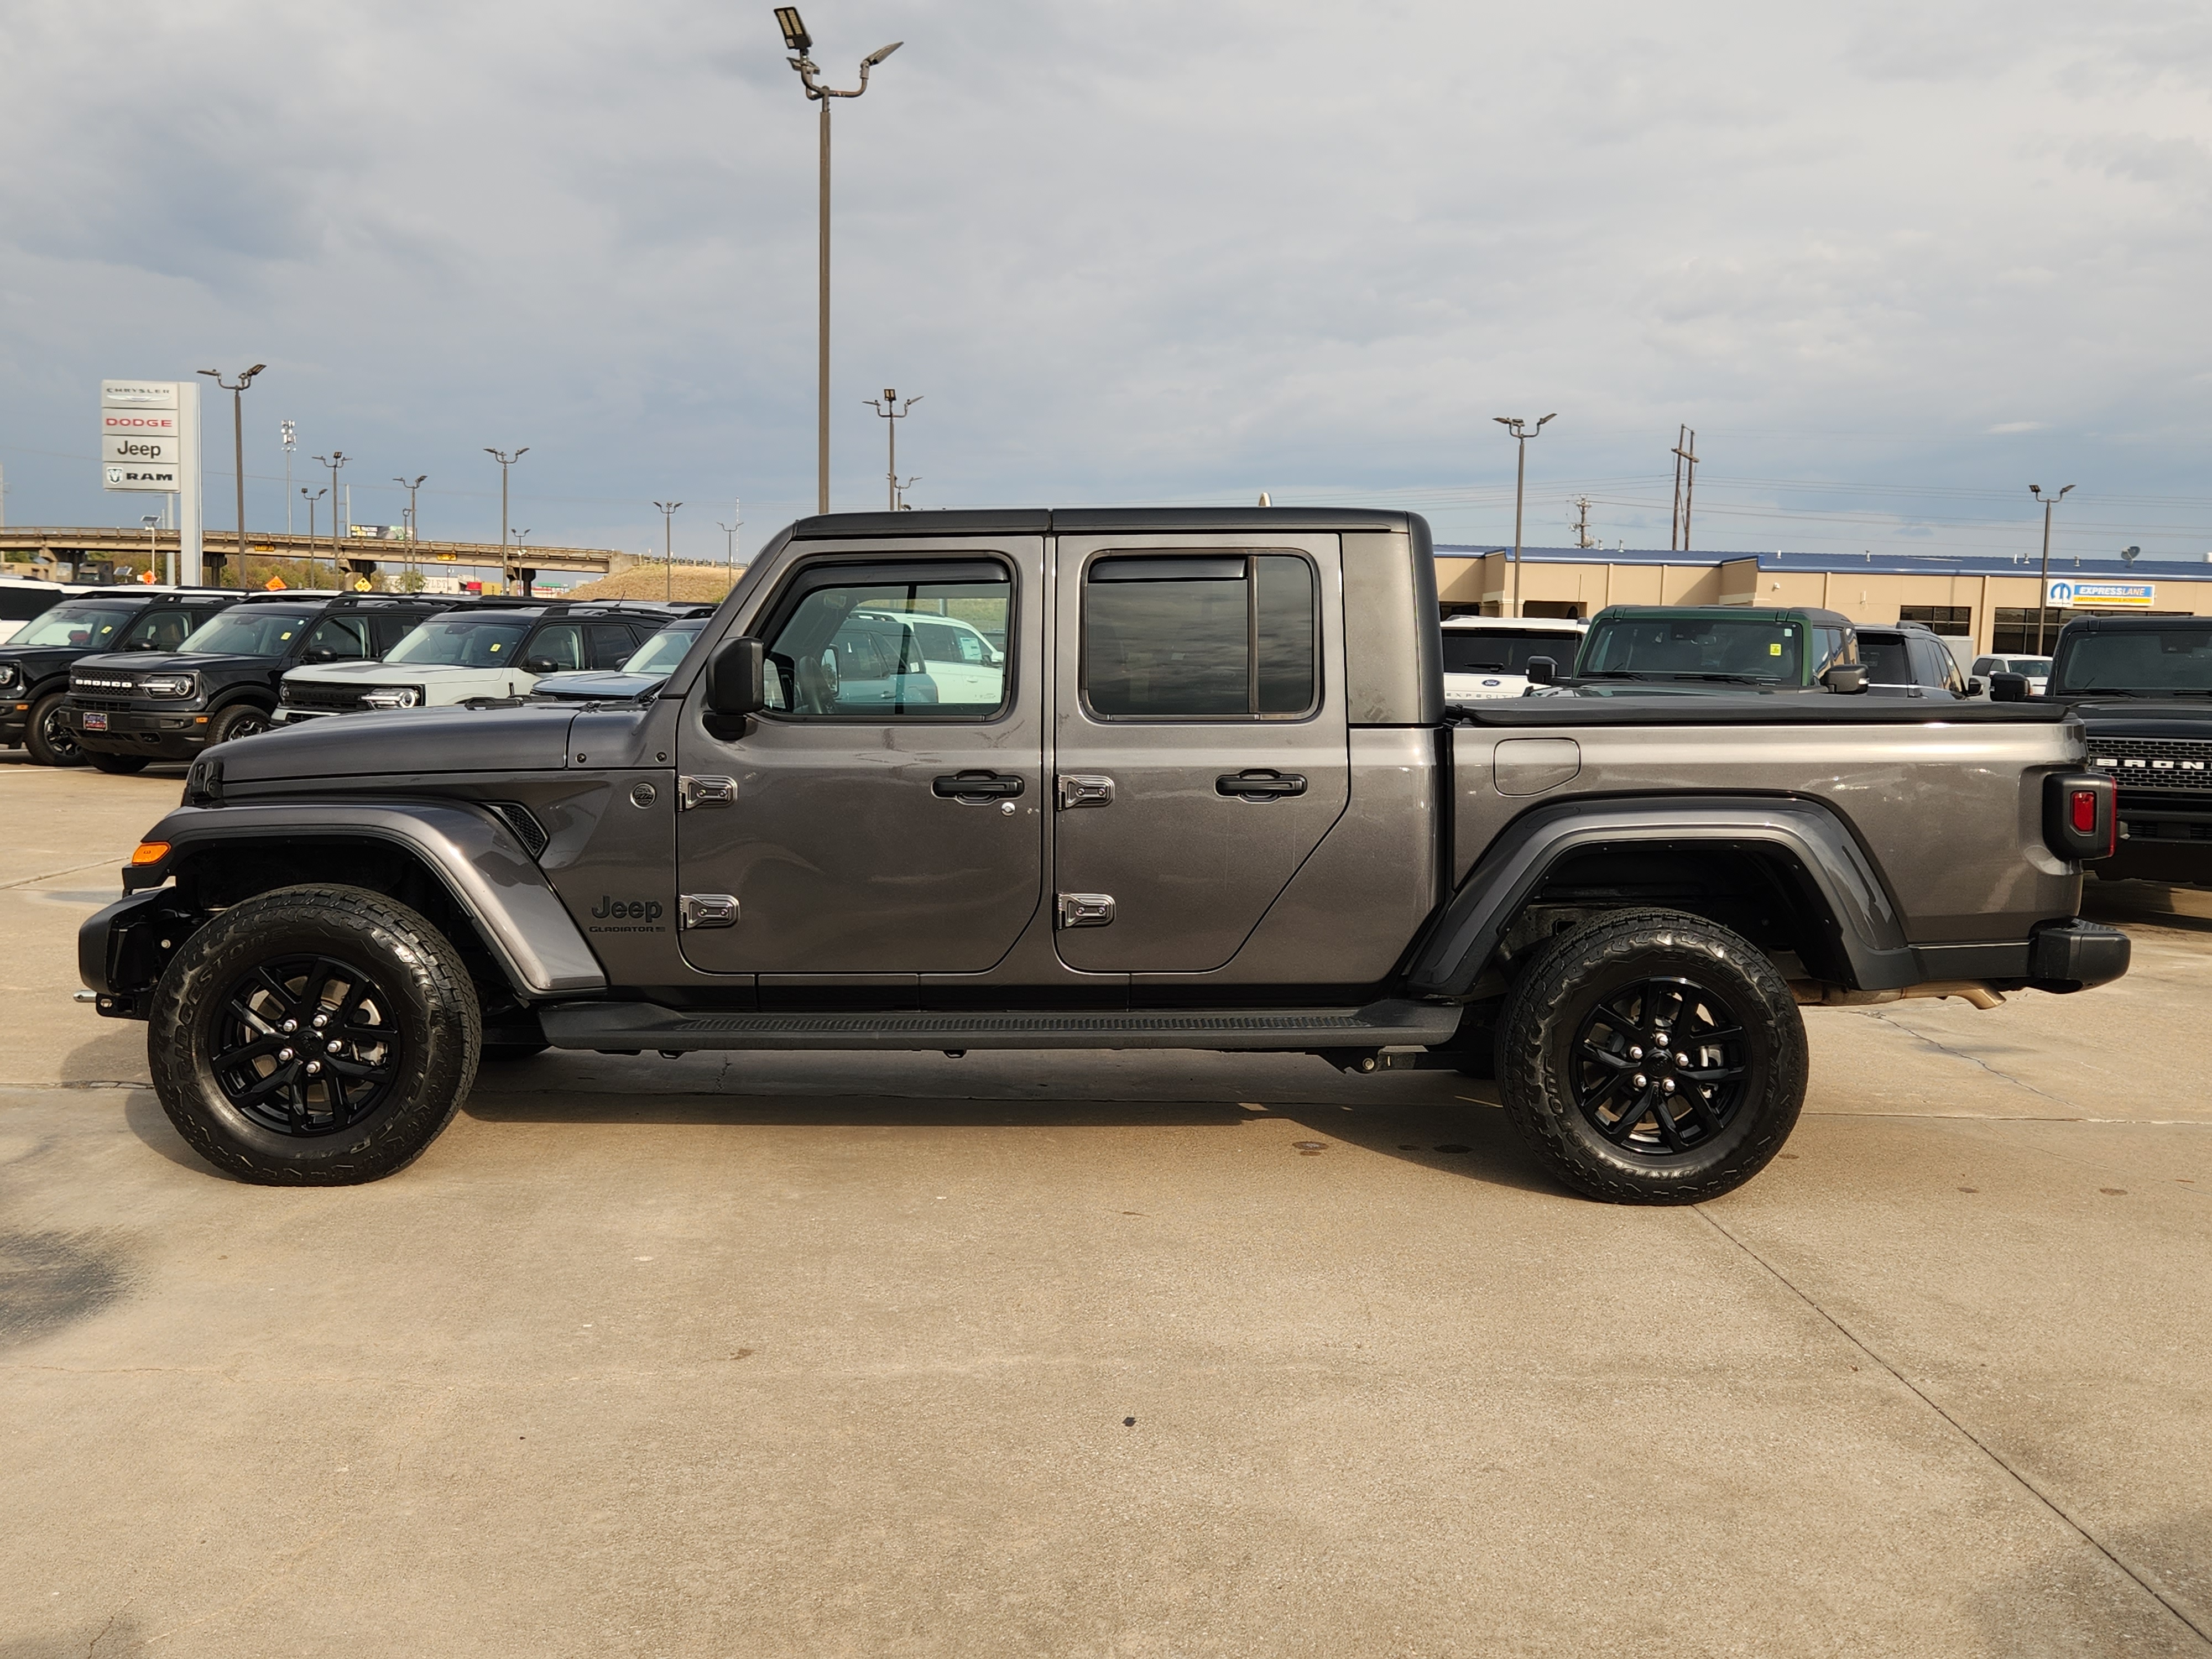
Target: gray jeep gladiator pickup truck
{"type": "Point", "coordinates": [1096, 780]}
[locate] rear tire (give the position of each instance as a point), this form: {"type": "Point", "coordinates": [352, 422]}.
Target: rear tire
{"type": "Point", "coordinates": [50, 742]}
{"type": "Point", "coordinates": [120, 766]}
{"type": "Point", "coordinates": [318, 1036]}
{"type": "Point", "coordinates": [1652, 1058]}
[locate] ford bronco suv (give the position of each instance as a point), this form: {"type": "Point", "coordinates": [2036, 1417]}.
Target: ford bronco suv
{"type": "Point", "coordinates": [1210, 800]}
{"type": "Point", "coordinates": [34, 664]}
{"type": "Point", "coordinates": [220, 682]}
{"type": "Point", "coordinates": [1645, 650]}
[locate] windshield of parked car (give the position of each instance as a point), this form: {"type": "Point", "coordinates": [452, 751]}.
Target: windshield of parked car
{"type": "Point", "coordinates": [2149, 660]}
{"type": "Point", "coordinates": [2034, 667]}
{"type": "Point", "coordinates": [247, 630]}
{"type": "Point", "coordinates": [660, 653]}
{"type": "Point", "coordinates": [440, 643]}
{"type": "Point", "coordinates": [1690, 647]}
{"type": "Point", "coordinates": [1504, 650]}
{"type": "Point", "coordinates": [90, 627]}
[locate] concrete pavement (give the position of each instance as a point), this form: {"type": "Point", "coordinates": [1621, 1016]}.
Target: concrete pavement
{"type": "Point", "coordinates": [1105, 1354]}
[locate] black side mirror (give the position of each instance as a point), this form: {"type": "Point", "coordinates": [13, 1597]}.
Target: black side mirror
{"type": "Point", "coordinates": [2008, 688]}
{"type": "Point", "coordinates": [1846, 678]}
{"type": "Point", "coordinates": [541, 666]}
{"type": "Point", "coordinates": [320, 655]}
{"type": "Point", "coordinates": [737, 678]}
{"type": "Point", "coordinates": [1543, 671]}
{"type": "Point", "coordinates": [1973, 688]}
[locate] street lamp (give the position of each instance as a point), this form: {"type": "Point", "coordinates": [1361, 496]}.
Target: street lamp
{"type": "Point", "coordinates": [505, 579]}
{"type": "Point", "coordinates": [1521, 432]}
{"type": "Point", "coordinates": [799, 42]}
{"type": "Point", "coordinates": [311, 500]}
{"type": "Point", "coordinates": [414, 535]}
{"type": "Point", "coordinates": [888, 407]}
{"type": "Point", "coordinates": [2043, 614]}
{"type": "Point", "coordinates": [237, 444]}
{"type": "Point", "coordinates": [334, 461]}
{"type": "Point", "coordinates": [151, 520]}
{"type": "Point", "coordinates": [730, 533]}
{"type": "Point", "coordinates": [668, 533]}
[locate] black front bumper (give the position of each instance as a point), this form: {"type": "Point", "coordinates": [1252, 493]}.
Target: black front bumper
{"type": "Point", "coordinates": [159, 734]}
{"type": "Point", "coordinates": [14, 721]}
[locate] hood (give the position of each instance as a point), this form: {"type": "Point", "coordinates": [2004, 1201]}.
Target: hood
{"type": "Point", "coordinates": [165, 662]}
{"type": "Point", "coordinates": [593, 685]}
{"type": "Point", "coordinates": [2145, 717]}
{"type": "Point", "coordinates": [37, 660]}
{"type": "Point", "coordinates": [403, 742]}
{"type": "Point", "coordinates": [412, 673]}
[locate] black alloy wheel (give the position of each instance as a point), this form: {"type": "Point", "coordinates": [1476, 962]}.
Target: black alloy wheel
{"type": "Point", "coordinates": [1651, 1057]}
{"type": "Point", "coordinates": [307, 1045]}
{"type": "Point", "coordinates": [50, 741]}
{"type": "Point", "coordinates": [1659, 1066]}
{"type": "Point", "coordinates": [240, 719]}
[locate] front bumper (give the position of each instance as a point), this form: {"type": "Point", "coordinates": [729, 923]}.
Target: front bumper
{"type": "Point", "coordinates": [14, 722]}
{"type": "Point", "coordinates": [161, 734]}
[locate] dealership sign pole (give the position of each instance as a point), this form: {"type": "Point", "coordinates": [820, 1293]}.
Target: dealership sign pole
{"type": "Point", "coordinates": [149, 442]}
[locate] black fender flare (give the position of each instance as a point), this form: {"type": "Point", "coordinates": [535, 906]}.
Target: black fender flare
{"type": "Point", "coordinates": [1836, 877]}
{"type": "Point", "coordinates": [485, 870]}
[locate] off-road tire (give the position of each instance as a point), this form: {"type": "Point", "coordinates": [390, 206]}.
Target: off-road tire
{"type": "Point", "coordinates": [51, 743]}
{"type": "Point", "coordinates": [226, 726]}
{"type": "Point", "coordinates": [121, 766]}
{"type": "Point", "coordinates": [411, 966]}
{"type": "Point", "coordinates": [1568, 985]}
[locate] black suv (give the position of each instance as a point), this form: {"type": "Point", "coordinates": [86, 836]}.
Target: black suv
{"type": "Point", "coordinates": [124, 710]}
{"type": "Point", "coordinates": [2143, 687]}
{"type": "Point", "coordinates": [34, 664]}
{"type": "Point", "coordinates": [1910, 659]}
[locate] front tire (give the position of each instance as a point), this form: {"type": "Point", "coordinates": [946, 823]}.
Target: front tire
{"type": "Point", "coordinates": [49, 739]}
{"type": "Point", "coordinates": [1653, 1058]}
{"type": "Point", "coordinates": [121, 766]}
{"type": "Point", "coordinates": [316, 1036]}
{"type": "Point", "coordinates": [240, 719]}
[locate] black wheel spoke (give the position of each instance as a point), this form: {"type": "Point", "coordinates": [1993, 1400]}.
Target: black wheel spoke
{"type": "Point", "coordinates": [1602, 1056]}
{"type": "Point", "coordinates": [250, 1052]}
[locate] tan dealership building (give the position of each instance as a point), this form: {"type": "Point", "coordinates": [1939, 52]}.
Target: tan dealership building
{"type": "Point", "coordinates": [1991, 600]}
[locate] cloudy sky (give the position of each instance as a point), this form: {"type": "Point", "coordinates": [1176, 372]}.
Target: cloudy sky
{"type": "Point", "coordinates": [1894, 262]}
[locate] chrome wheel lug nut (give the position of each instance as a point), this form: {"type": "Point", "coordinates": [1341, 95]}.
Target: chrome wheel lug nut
{"type": "Point", "coordinates": [1666, 1087]}
{"type": "Point", "coordinates": [1635, 1053]}
{"type": "Point", "coordinates": [313, 1066]}
{"type": "Point", "coordinates": [1639, 1080]}
{"type": "Point", "coordinates": [333, 1046]}
{"type": "Point", "coordinates": [291, 1025]}
{"type": "Point", "coordinates": [283, 1054]}
{"type": "Point", "coordinates": [1681, 1059]}
{"type": "Point", "coordinates": [321, 1020]}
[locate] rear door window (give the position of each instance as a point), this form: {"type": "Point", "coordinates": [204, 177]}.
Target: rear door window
{"type": "Point", "coordinates": [1186, 636]}
{"type": "Point", "coordinates": [613, 645]}
{"type": "Point", "coordinates": [561, 644]}
{"type": "Point", "coordinates": [345, 638]}
{"type": "Point", "coordinates": [159, 630]}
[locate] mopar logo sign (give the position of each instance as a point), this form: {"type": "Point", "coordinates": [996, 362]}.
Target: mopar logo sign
{"type": "Point", "coordinates": [2097, 596]}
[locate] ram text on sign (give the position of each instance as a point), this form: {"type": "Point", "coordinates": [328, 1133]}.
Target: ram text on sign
{"type": "Point", "coordinates": [2099, 596]}
{"type": "Point", "coordinates": [151, 477]}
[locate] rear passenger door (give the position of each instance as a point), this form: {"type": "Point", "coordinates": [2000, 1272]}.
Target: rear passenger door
{"type": "Point", "coordinates": [1201, 751]}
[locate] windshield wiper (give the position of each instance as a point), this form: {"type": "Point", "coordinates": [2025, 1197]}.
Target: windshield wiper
{"type": "Point", "coordinates": [1736, 679]}
{"type": "Point", "coordinates": [1614, 674]}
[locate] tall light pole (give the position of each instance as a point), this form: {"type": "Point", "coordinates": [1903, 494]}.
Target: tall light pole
{"type": "Point", "coordinates": [237, 444]}
{"type": "Point", "coordinates": [799, 42]}
{"type": "Point", "coordinates": [311, 500]}
{"type": "Point", "coordinates": [334, 461]}
{"type": "Point", "coordinates": [2042, 615]}
{"type": "Point", "coordinates": [152, 522]}
{"type": "Point", "coordinates": [668, 542]}
{"type": "Point", "coordinates": [1521, 432]}
{"type": "Point", "coordinates": [290, 435]}
{"type": "Point", "coordinates": [730, 533]}
{"type": "Point", "coordinates": [414, 530]}
{"type": "Point", "coordinates": [893, 412]}
{"type": "Point", "coordinates": [505, 579]}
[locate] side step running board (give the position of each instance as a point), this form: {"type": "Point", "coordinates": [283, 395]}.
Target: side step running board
{"type": "Point", "coordinates": [626, 1027]}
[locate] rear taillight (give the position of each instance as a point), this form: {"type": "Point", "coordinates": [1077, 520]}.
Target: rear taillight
{"type": "Point", "coordinates": [2081, 816]}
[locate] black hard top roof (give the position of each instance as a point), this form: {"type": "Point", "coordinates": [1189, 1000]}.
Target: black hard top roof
{"type": "Point", "coordinates": [1675, 612]}
{"type": "Point", "coordinates": [2131, 625]}
{"type": "Point", "coordinates": [1102, 521]}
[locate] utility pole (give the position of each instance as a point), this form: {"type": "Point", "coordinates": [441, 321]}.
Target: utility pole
{"type": "Point", "coordinates": [334, 461]}
{"type": "Point", "coordinates": [290, 435]}
{"type": "Point", "coordinates": [730, 533]}
{"type": "Point", "coordinates": [238, 443]}
{"type": "Point", "coordinates": [797, 40]}
{"type": "Point", "coordinates": [1521, 432]}
{"type": "Point", "coordinates": [1686, 481]}
{"type": "Point", "coordinates": [2043, 612]}
{"type": "Point", "coordinates": [889, 408]}
{"type": "Point", "coordinates": [668, 542]}
{"type": "Point", "coordinates": [1581, 522]}
{"type": "Point", "coordinates": [505, 577]}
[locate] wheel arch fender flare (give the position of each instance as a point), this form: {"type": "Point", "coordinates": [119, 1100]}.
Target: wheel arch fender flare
{"type": "Point", "coordinates": [490, 879]}
{"type": "Point", "coordinates": [1838, 881]}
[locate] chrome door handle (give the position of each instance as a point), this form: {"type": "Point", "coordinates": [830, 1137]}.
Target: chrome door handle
{"type": "Point", "coordinates": [704, 792]}
{"type": "Point", "coordinates": [977, 786]}
{"type": "Point", "coordinates": [1084, 789]}
{"type": "Point", "coordinates": [1257, 784]}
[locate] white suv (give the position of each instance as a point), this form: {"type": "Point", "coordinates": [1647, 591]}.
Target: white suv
{"type": "Point", "coordinates": [1488, 656]}
{"type": "Point", "coordinates": [493, 652]}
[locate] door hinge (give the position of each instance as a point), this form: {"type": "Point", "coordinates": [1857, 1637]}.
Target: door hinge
{"type": "Point", "coordinates": [1085, 910]}
{"type": "Point", "coordinates": [1084, 789]}
{"type": "Point", "coordinates": [704, 792]}
{"type": "Point", "coordinates": [707, 910]}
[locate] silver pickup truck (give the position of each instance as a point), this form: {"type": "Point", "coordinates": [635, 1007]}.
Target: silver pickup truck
{"type": "Point", "coordinates": [1133, 779]}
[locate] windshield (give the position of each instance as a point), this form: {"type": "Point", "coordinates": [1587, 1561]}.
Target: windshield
{"type": "Point", "coordinates": [441, 644]}
{"type": "Point", "coordinates": [660, 653]}
{"type": "Point", "coordinates": [1503, 650]}
{"type": "Point", "coordinates": [2154, 660]}
{"type": "Point", "coordinates": [2034, 667]}
{"type": "Point", "coordinates": [247, 630]}
{"type": "Point", "coordinates": [1753, 647]}
{"type": "Point", "coordinates": [94, 628]}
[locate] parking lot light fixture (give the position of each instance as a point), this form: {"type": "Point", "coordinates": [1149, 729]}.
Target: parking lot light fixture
{"type": "Point", "coordinates": [2043, 612]}
{"type": "Point", "coordinates": [800, 43]}
{"type": "Point", "coordinates": [668, 543]}
{"type": "Point", "coordinates": [1523, 432]}
{"type": "Point", "coordinates": [506, 574]}
{"type": "Point", "coordinates": [237, 390]}
{"type": "Point", "coordinates": [334, 461]}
